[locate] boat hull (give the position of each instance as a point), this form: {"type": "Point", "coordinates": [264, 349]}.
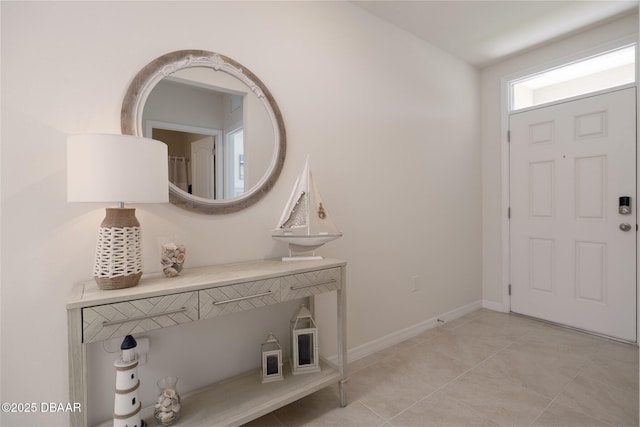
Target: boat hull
{"type": "Point", "coordinates": [305, 243]}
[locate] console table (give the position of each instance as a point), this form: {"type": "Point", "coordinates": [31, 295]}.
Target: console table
{"type": "Point", "coordinates": [203, 293]}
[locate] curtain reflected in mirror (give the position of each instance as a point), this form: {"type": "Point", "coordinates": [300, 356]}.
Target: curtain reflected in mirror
{"type": "Point", "coordinates": [179, 173]}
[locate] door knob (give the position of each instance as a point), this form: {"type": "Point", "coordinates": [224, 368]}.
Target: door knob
{"type": "Point", "coordinates": [625, 226]}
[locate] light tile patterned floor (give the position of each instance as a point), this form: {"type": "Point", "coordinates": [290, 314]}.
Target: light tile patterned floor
{"type": "Point", "coordinates": [484, 369]}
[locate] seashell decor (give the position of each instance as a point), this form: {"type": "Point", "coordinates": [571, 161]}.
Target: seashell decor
{"type": "Point", "coordinates": [172, 259]}
{"type": "Point", "coordinates": [167, 408]}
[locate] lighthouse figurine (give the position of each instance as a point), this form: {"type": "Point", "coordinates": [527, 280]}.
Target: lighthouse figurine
{"type": "Point", "coordinates": [127, 406]}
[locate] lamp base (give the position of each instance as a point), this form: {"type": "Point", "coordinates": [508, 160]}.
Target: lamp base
{"type": "Point", "coordinates": [118, 282]}
{"type": "Point", "coordinates": [118, 261]}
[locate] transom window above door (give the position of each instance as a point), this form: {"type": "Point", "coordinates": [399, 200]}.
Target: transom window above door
{"type": "Point", "coordinates": [595, 73]}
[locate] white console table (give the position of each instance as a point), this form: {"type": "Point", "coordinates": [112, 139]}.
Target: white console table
{"type": "Point", "coordinates": [202, 293]}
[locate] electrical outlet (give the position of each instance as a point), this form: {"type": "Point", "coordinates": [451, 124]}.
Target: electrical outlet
{"type": "Point", "coordinates": [415, 281]}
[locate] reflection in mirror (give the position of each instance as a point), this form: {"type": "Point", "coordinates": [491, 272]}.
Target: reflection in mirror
{"type": "Point", "coordinates": [206, 117]}
{"type": "Point", "coordinates": [223, 129]}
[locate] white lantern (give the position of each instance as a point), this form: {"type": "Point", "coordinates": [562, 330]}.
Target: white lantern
{"type": "Point", "coordinates": [304, 343]}
{"type": "Point", "coordinates": [271, 360]}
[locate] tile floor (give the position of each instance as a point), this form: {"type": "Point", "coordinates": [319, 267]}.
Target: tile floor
{"type": "Point", "coordinates": [483, 369]}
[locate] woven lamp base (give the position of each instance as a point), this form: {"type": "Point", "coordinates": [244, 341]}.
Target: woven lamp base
{"type": "Point", "coordinates": [118, 282]}
{"type": "Point", "coordinates": [118, 261]}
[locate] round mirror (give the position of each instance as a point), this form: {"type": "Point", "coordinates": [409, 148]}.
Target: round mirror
{"type": "Point", "coordinates": [224, 130]}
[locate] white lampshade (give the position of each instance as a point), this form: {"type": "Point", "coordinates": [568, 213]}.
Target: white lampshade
{"type": "Point", "coordinates": [116, 168]}
{"type": "Point", "coordinates": [122, 169]}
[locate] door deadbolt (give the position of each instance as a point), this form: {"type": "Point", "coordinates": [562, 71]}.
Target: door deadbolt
{"type": "Point", "coordinates": [625, 226]}
{"type": "Point", "coordinates": [624, 205]}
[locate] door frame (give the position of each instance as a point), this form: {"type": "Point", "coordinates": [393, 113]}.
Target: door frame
{"type": "Point", "coordinates": [505, 161]}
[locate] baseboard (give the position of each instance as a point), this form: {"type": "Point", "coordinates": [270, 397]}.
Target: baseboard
{"type": "Point", "coordinates": [404, 334]}
{"type": "Point", "coordinates": [495, 306]}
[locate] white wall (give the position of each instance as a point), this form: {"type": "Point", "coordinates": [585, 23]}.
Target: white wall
{"type": "Point", "coordinates": [391, 124]}
{"type": "Point", "coordinates": [494, 151]}
{"type": "Point", "coordinates": [177, 103]}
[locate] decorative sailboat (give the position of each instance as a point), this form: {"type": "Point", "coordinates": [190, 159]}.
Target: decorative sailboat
{"type": "Point", "coordinates": [305, 223]}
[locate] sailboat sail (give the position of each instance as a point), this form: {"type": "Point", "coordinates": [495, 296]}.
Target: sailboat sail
{"type": "Point", "coordinates": [295, 213]}
{"type": "Point", "coordinates": [305, 223]}
{"type": "Point", "coordinates": [299, 214]}
{"type": "Point", "coordinates": [319, 219]}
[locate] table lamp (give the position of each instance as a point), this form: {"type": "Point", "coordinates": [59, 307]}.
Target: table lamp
{"type": "Point", "coordinates": [117, 169]}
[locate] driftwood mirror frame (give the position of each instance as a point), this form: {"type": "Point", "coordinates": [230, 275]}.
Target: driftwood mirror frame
{"type": "Point", "coordinates": [144, 82]}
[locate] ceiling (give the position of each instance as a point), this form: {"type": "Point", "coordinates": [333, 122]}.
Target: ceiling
{"type": "Point", "coordinates": [484, 32]}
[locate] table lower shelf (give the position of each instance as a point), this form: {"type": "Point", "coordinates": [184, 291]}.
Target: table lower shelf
{"type": "Point", "coordinates": [243, 398]}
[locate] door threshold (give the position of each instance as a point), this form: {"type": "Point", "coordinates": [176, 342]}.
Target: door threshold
{"type": "Point", "coordinates": [575, 329]}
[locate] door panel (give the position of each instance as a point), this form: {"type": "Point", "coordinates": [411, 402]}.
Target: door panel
{"type": "Point", "coordinates": [202, 167]}
{"type": "Point", "coordinates": [570, 261]}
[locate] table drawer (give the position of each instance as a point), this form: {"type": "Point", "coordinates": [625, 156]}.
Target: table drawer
{"type": "Point", "coordinates": [311, 283]}
{"type": "Point", "coordinates": [107, 321]}
{"type": "Point", "coordinates": [242, 296]}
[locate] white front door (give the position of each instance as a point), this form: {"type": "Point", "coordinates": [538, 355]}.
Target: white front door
{"type": "Point", "coordinates": [573, 261]}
